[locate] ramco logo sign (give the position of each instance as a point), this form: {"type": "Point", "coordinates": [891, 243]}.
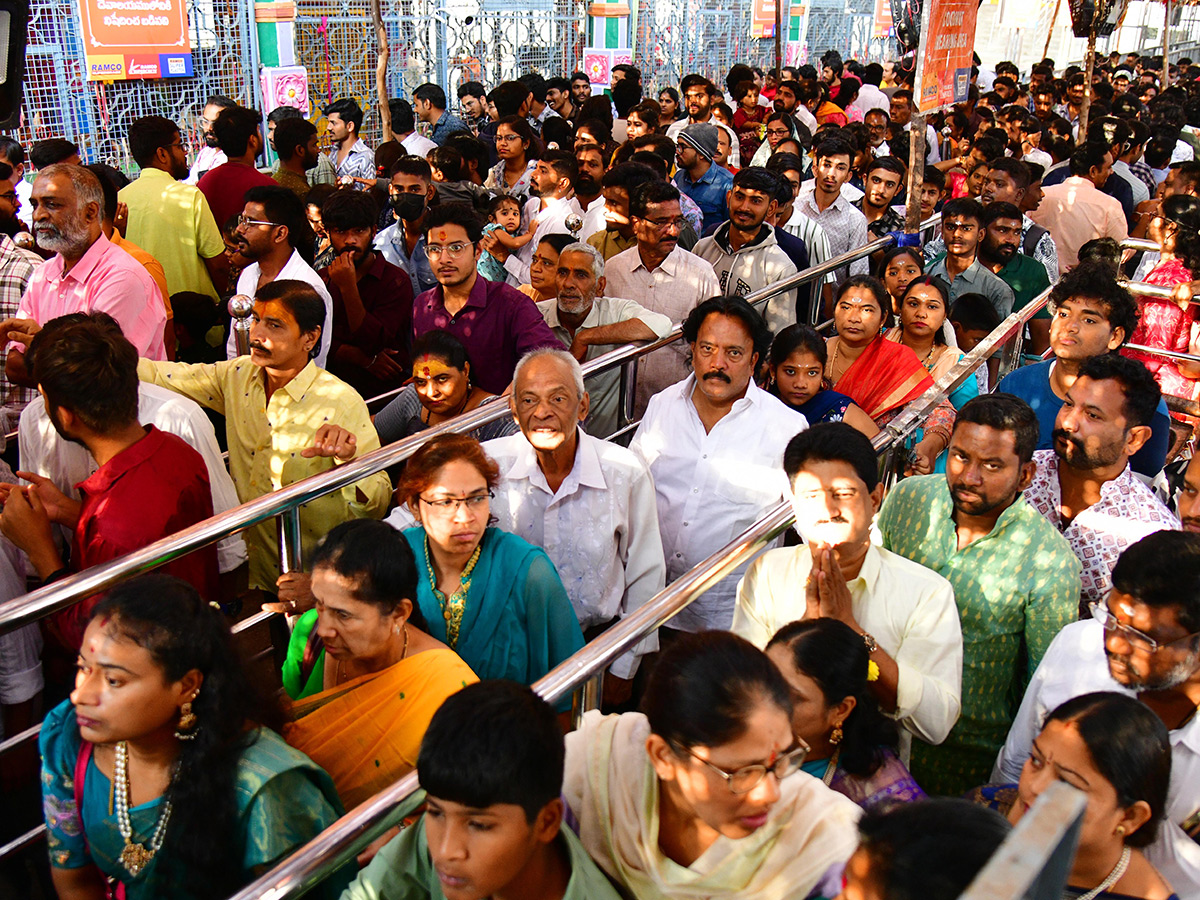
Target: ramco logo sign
{"type": "Point", "coordinates": [105, 67]}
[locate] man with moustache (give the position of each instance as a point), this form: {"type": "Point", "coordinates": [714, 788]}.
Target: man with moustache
{"type": "Point", "coordinates": [713, 443]}
{"type": "Point", "coordinates": [1015, 578]}
{"type": "Point", "coordinates": [299, 153]}
{"type": "Point", "coordinates": [1187, 498]}
{"type": "Point", "coordinates": [962, 228]}
{"type": "Point", "coordinates": [372, 300]}
{"type": "Point", "coordinates": [210, 155]}
{"type": "Point", "coordinates": [698, 96]}
{"type": "Point", "coordinates": [589, 190]}
{"type": "Point", "coordinates": [999, 253]}
{"type": "Point", "coordinates": [1084, 486]}
{"type": "Point", "coordinates": [1143, 640]}
{"type": "Point", "coordinates": [17, 266]}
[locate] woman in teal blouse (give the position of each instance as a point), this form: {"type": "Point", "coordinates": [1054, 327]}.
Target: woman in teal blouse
{"type": "Point", "coordinates": [159, 776]}
{"type": "Point", "coordinates": [490, 596]}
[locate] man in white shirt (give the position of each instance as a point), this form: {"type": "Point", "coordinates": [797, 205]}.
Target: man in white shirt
{"type": "Point", "coordinates": [714, 443]}
{"type": "Point", "coordinates": [1144, 641]}
{"type": "Point", "coordinates": [661, 276]}
{"type": "Point", "coordinates": [404, 129]}
{"type": "Point", "coordinates": [210, 155]}
{"type": "Point", "coordinates": [273, 227]}
{"type": "Point", "coordinates": [590, 325]}
{"type": "Point", "coordinates": [904, 611]}
{"type": "Point", "coordinates": [824, 201]}
{"type": "Point", "coordinates": [588, 503]}
{"type": "Point", "coordinates": [902, 110]}
{"type": "Point", "coordinates": [869, 95]}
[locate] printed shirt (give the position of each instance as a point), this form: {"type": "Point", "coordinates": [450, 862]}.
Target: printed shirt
{"type": "Point", "coordinates": [708, 191]}
{"type": "Point", "coordinates": [16, 270]}
{"type": "Point", "coordinates": [1126, 512]}
{"type": "Point", "coordinates": [359, 163]}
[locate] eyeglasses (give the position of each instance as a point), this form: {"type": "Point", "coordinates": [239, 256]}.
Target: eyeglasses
{"type": "Point", "coordinates": [507, 138]}
{"type": "Point", "coordinates": [664, 224]}
{"type": "Point", "coordinates": [449, 505]}
{"type": "Point", "coordinates": [778, 132]}
{"type": "Point", "coordinates": [1105, 616]}
{"type": "Point", "coordinates": [243, 221]}
{"type": "Point", "coordinates": [9, 196]}
{"type": "Point", "coordinates": [433, 251]}
{"type": "Point", "coordinates": [747, 778]}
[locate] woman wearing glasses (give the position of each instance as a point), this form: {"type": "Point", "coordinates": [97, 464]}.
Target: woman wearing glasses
{"type": "Point", "coordinates": [518, 150]}
{"type": "Point", "coordinates": [700, 796]}
{"type": "Point", "coordinates": [487, 594]}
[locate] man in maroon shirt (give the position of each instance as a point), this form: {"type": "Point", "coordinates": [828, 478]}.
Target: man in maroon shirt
{"type": "Point", "coordinates": [372, 300]}
{"type": "Point", "coordinates": [150, 484]}
{"type": "Point", "coordinates": [495, 322]}
{"type": "Point", "coordinates": [239, 135]}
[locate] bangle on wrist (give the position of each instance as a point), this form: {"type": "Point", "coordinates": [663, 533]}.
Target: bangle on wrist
{"type": "Point", "coordinates": [872, 646]}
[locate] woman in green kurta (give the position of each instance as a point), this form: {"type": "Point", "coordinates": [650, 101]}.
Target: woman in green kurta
{"type": "Point", "coordinates": [159, 773]}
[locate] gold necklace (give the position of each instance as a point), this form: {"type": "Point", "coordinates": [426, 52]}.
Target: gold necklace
{"type": "Point", "coordinates": [135, 856]}
{"type": "Point", "coordinates": [337, 670]}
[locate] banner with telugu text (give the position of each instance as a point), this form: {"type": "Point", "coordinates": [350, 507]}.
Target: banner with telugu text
{"type": "Point", "coordinates": [125, 39]}
{"type": "Point", "coordinates": [947, 40]}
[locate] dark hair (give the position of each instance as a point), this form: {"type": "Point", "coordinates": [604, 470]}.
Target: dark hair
{"type": "Point", "coordinates": [895, 253]}
{"type": "Point", "coordinates": [493, 742]}
{"type": "Point", "coordinates": [454, 214]}
{"type": "Point", "coordinates": [834, 656]}
{"type": "Point", "coordinates": [449, 162]}
{"type": "Point", "coordinates": [431, 94]}
{"type": "Point", "coordinates": [1087, 156]}
{"type": "Point", "coordinates": [563, 163]}
{"type": "Point", "coordinates": [798, 337]}
{"type": "Point", "coordinates": [234, 127]}
{"type": "Point", "coordinates": [1098, 282]}
{"type": "Point", "coordinates": [834, 146]}
{"type": "Point", "coordinates": [1004, 412]}
{"type": "Point", "coordinates": [600, 129]}
{"type": "Point", "coordinates": [104, 174]}
{"type": "Point", "coordinates": [348, 110]}
{"type": "Point", "coordinates": [378, 559]}
{"type": "Point", "coordinates": [471, 89]}
{"type": "Point", "coordinates": [1142, 393]}
{"type": "Point", "coordinates": [889, 164]}
{"type": "Point", "coordinates": [626, 94]}
{"type": "Point", "coordinates": [871, 283]}
{"type": "Point", "coordinates": [559, 242]}
{"type": "Point", "coordinates": [974, 312]}
{"type": "Point", "coordinates": [757, 178]}
{"type": "Point", "coordinates": [182, 632]}
{"type": "Point", "coordinates": [346, 209]}
{"type": "Point", "coordinates": [283, 113]}
{"type": "Point", "coordinates": [401, 111]}
{"type": "Point", "coordinates": [649, 111]}
{"type": "Point", "coordinates": [147, 134]}
{"type": "Point", "coordinates": [1000, 210]}
{"type": "Point", "coordinates": [1130, 748]}
{"type": "Point", "coordinates": [521, 128]}
{"type": "Point", "coordinates": [499, 200]}
{"type": "Point", "coordinates": [507, 97]}
{"type": "Point", "coordinates": [51, 151]}
{"type": "Point", "coordinates": [651, 192]}
{"type": "Point", "coordinates": [472, 149]}
{"type": "Point", "coordinates": [784, 162]}
{"type": "Point", "coordinates": [436, 453]}
{"type": "Point", "coordinates": [1016, 169]}
{"type": "Point", "coordinates": [219, 100]}
{"type": "Point", "coordinates": [736, 308]}
{"type": "Point", "coordinates": [85, 364]}
{"type": "Point", "coordinates": [411, 165]}
{"type": "Point", "coordinates": [1183, 211]}
{"type": "Point", "coordinates": [13, 151]}
{"type": "Point", "coordinates": [292, 133]}
{"type": "Point", "coordinates": [929, 850]}
{"type": "Point", "coordinates": [938, 284]}
{"type": "Point", "coordinates": [935, 176]}
{"type": "Point", "coordinates": [705, 685]}
{"type": "Point", "coordinates": [284, 208]}
{"type": "Point", "coordinates": [963, 207]}
{"type": "Point", "coordinates": [833, 442]}
{"type": "Point", "coordinates": [1141, 573]}
{"type": "Point", "coordinates": [441, 345]}
{"type": "Point", "coordinates": [628, 176]}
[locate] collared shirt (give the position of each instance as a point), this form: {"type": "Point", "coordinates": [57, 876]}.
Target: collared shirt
{"type": "Point", "coordinates": [1142, 172]}
{"type": "Point", "coordinates": [1076, 664]}
{"type": "Point", "coordinates": [208, 158]}
{"type": "Point", "coordinates": [392, 243]}
{"type": "Point", "coordinates": [1126, 512]}
{"type": "Point", "coordinates": [155, 487]}
{"type": "Point", "coordinates": [386, 296]}
{"type": "Point", "coordinates": [44, 452]}
{"type": "Point", "coordinates": [225, 188]}
{"type": "Point", "coordinates": [173, 222]}
{"type": "Point", "coordinates": [593, 218]}
{"type": "Point", "coordinates": [295, 269]}
{"type": "Point", "coordinates": [907, 608]}
{"type": "Point", "coordinates": [674, 288]}
{"type": "Point", "coordinates": [600, 528]}
{"type": "Point", "coordinates": [16, 270]}
{"type": "Point", "coordinates": [359, 162]}
{"type": "Point", "coordinates": [1014, 588]}
{"type": "Point", "coordinates": [1140, 192]}
{"type": "Point", "coordinates": [844, 226]}
{"type": "Point", "coordinates": [445, 126]}
{"type": "Point", "coordinates": [610, 243]}
{"type": "Point", "coordinates": [1025, 277]}
{"type": "Point", "coordinates": [551, 220]}
{"type": "Point", "coordinates": [889, 222]}
{"type": "Point", "coordinates": [604, 388]}
{"type": "Point", "coordinates": [813, 235]}
{"type": "Point", "coordinates": [976, 279]}
{"type": "Point", "coordinates": [711, 486]}
{"type": "Point", "coordinates": [266, 438]}
{"type": "Point", "coordinates": [498, 325]}
{"type": "Point", "coordinates": [1076, 212]}
{"type": "Point", "coordinates": [153, 268]}
{"type": "Point", "coordinates": [708, 191]}
{"type": "Point", "coordinates": [104, 279]}
{"type": "Point", "coordinates": [293, 182]}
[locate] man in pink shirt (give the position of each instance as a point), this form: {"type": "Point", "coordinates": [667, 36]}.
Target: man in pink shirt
{"type": "Point", "coordinates": [1077, 211]}
{"type": "Point", "coordinates": [88, 272]}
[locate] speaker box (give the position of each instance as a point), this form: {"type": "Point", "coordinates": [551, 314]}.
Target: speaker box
{"type": "Point", "coordinates": [14, 28]}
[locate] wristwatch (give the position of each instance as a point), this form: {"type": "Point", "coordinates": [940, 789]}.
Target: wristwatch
{"type": "Point", "coordinates": [871, 643]}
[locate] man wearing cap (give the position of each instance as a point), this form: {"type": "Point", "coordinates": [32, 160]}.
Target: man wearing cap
{"type": "Point", "coordinates": [704, 182]}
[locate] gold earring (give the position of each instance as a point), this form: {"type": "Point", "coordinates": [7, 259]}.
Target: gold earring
{"type": "Point", "coordinates": [835, 736]}
{"type": "Point", "coordinates": [1120, 830]}
{"type": "Point", "coordinates": [187, 727]}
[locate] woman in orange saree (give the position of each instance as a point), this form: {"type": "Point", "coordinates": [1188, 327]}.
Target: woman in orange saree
{"type": "Point", "coordinates": [364, 675]}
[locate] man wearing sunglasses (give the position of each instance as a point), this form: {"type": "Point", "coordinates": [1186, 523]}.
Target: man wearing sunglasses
{"type": "Point", "coordinates": [1142, 640]}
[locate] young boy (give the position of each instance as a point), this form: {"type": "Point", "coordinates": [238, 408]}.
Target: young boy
{"type": "Point", "coordinates": [504, 216]}
{"type": "Point", "coordinates": [491, 764]}
{"type": "Point", "coordinates": [973, 318]}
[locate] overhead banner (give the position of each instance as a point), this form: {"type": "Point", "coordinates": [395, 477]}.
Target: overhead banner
{"type": "Point", "coordinates": [124, 39]}
{"type": "Point", "coordinates": [944, 61]}
{"type": "Point", "coordinates": [762, 19]}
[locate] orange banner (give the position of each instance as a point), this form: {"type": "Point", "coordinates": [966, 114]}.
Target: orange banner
{"type": "Point", "coordinates": [946, 57]}
{"type": "Point", "coordinates": [135, 39]}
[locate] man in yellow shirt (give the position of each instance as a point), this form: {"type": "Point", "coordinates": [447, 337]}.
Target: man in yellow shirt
{"type": "Point", "coordinates": [285, 419]}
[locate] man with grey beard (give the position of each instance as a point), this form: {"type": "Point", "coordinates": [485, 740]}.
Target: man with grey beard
{"type": "Point", "coordinates": [1144, 641]}
{"type": "Point", "coordinates": [88, 273]}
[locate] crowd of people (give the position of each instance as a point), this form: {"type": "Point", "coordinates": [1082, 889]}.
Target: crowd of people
{"type": "Point", "coordinates": [862, 710]}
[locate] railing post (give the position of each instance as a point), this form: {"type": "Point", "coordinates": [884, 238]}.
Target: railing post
{"type": "Point", "coordinates": [587, 696]}
{"type": "Point", "coordinates": [1010, 358]}
{"type": "Point", "coordinates": [291, 550]}
{"type": "Point", "coordinates": [628, 393]}
{"type": "Point", "coordinates": [240, 309]}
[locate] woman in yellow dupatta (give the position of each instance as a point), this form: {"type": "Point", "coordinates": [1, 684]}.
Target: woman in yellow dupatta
{"type": "Point", "coordinates": [702, 796]}
{"type": "Point", "coordinates": [364, 675]}
{"type": "Point", "coordinates": [881, 376]}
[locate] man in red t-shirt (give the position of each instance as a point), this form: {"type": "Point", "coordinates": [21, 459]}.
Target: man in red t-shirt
{"type": "Point", "coordinates": [239, 135]}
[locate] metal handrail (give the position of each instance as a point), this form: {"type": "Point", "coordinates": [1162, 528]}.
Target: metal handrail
{"type": "Point", "coordinates": [1159, 351]}
{"type": "Point", "coordinates": [346, 837]}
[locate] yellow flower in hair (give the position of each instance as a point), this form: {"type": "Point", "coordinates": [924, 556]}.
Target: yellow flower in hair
{"type": "Point", "coordinates": [872, 670]}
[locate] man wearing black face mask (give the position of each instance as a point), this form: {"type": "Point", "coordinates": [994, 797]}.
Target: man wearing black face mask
{"type": "Point", "coordinates": [372, 299]}
{"type": "Point", "coordinates": [403, 244]}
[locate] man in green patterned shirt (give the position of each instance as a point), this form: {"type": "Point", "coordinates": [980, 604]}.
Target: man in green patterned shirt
{"type": "Point", "coordinates": [1015, 578]}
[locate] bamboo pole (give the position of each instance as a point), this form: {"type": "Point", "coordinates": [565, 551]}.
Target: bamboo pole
{"type": "Point", "coordinates": [381, 46]}
{"type": "Point", "coordinates": [1087, 82]}
{"type": "Point", "coordinates": [1050, 30]}
{"type": "Point", "coordinates": [1166, 72]}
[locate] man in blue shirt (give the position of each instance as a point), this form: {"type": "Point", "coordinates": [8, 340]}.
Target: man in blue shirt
{"type": "Point", "coordinates": [1090, 314]}
{"type": "Point", "coordinates": [429, 103]}
{"type": "Point", "coordinates": [699, 176]}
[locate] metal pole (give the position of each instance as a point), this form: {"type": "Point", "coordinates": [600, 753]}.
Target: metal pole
{"type": "Point", "coordinates": [241, 308]}
{"type": "Point", "coordinates": [1087, 81]}
{"type": "Point", "coordinates": [779, 38]}
{"type": "Point", "coordinates": [291, 549]}
{"type": "Point", "coordinates": [1166, 73]}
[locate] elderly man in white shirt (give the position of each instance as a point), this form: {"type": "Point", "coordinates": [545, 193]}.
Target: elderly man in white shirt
{"type": "Point", "coordinates": [714, 444]}
{"type": "Point", "coordinates": [1144, 641]}
{"type": "Point", "coordinates": [589, 326]}
{"type": "Point", "coordinates": [904, 612]}
{"type": "Point", "coordinates": [588, 503]}
{"type": "Point", "coordinates": [661, 276]}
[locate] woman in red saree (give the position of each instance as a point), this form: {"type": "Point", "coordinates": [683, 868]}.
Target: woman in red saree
{"type": "Point", "coordinates": [881, 376]}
